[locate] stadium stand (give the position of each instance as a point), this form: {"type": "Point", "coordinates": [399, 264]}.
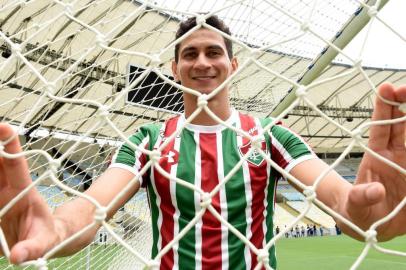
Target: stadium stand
{"type": "Point", "coordinates": [347, 168]}
{"type": "Point", "coordinates": [293, 196]}
{"type": "Point", "coordinates": [53, 195]}
{"type": "Point", "coordinates": [136, 207]}
{"type": "Point", "coordinates": [283, 217]}
{"type": "Point", "coordinates": [71, 180]}
{"type": "Point", "coordinates": [315, 214]}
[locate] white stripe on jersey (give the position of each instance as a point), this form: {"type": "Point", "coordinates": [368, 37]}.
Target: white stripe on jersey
{"type": "Point", "coordinates": [223, 201]}
{"type": "Point", "coordinates": [158, 198]}
{"type": "Point", "coordinates": [248, 194]}
{"type": "Point", "coordinates": [135, 169]}
{"type": "Point", "coordinates": [268, 174]}
{"type": "Point", "coordinates": [286, 154]}
{"type": "Point", "coordinates": [198, 183]}
{"type": "Point", "coordinates": [176, 215]}
{"type": "Point", "coordinates": [298, 137]}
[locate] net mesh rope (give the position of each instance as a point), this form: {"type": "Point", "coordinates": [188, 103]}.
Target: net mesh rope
{"type": "Point", "coordinates": [65, 87]}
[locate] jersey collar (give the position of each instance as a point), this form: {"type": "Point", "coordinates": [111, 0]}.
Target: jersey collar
{"type": "Point", "coordinates": [210, 129]}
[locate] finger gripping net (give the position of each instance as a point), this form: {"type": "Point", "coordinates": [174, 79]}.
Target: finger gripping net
{"type": "Point", "coordinates": [79, 79]}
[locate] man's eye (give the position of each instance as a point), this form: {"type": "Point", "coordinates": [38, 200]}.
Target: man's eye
{"type": "Point", "coordinates": [214, 53]}
{"type": "Point", "coordinates": [189, 55]}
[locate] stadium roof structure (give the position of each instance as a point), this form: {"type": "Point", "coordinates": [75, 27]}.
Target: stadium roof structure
{"type": "Point", "coordinates": [90, 45]}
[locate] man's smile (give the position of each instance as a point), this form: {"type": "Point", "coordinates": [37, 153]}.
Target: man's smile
{"type": "Point", "coordinates": [203, 78]}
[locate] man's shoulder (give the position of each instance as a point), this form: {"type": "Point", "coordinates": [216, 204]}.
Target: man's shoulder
{"type": "Point", "coordinates": [148, 128]}
{"type": "Point", "coordinates": [156, 126]}
{"type": "Point", "coordinates": [264, 121]}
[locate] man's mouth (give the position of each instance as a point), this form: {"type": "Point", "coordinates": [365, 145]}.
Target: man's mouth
{"type": "Point", "coordinates": [203, 78]}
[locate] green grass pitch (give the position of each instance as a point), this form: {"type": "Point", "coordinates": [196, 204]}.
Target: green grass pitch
{"type": "Point", "coordinates": [336, 253]}
{"type": "Point", "coordinates": [318, 253]}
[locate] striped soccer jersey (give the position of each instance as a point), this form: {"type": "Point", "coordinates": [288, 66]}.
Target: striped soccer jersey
{"type": "Point", "coordinates": [203, 156]}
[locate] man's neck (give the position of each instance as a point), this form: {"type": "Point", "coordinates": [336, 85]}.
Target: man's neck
{"type": "Point", "coordinates": [218, 106]}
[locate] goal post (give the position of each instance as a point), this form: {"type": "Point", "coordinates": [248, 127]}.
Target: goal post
{"type": "Point", "coordinates": [354, 25]}
{"type": "Point", "coordinates": [78, 78]}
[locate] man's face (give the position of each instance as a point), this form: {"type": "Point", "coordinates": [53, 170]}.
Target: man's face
{"type": "Point", "coordinates": [203, 61]}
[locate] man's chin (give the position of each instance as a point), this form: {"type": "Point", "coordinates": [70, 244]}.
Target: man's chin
{"type": "Point", "coordinates": [205, 90]}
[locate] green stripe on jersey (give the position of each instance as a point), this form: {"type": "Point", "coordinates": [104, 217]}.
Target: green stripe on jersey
{"type": "Point", "coordinates": [236, 201]}
{"type": "Point", "coordinates": [154, 216]}
{"type": "Point", "coordinates": [292, 144]}
{"type": "Point", "coordinates": [269, 219]}
{"type": "Point", "coordinates": [126, 153]}
{"type": "Point", "coordinates": [153, 131]}
{"type": "Point", "coordinates": [270, 198]}
{"type": "Point", "coordinates": [185, 199]}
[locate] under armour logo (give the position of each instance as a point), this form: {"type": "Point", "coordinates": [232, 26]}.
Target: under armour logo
{"type": "Point", "coordinates": [172, 157]}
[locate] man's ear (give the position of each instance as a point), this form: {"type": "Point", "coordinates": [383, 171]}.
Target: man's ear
{"type": "Point", "coordinates": [175, 71]}
{"type": "Point", "coordinates": [234, 64]}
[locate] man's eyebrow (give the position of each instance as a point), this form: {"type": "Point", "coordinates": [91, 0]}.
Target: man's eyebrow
{"type": "Point", "coordinates": [211, 47]}
{"type": "Point", "coordinates": [216, 47]}
{"type": "Point", "coordinates": [188, 48]}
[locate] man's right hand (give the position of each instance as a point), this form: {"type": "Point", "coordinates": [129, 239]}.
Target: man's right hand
{"type": "Point", "coordinates": [28, 226]}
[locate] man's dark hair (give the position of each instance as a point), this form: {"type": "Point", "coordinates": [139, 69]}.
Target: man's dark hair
{"type": "Point", "coordinates": [214, 21]}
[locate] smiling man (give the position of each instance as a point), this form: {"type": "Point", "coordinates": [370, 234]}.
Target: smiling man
{"type": "Point", "coordinates": [204, 60]}
{"type": "Point", "coordinates": [203, 154]}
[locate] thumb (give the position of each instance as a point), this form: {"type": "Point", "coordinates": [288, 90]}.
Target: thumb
{"type": "Point", "coordinates": [364, 195]}
{"type": "Point", "coordinates": [30, 249]}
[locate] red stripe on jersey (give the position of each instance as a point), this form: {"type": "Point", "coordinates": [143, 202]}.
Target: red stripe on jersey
{"type": "Point", "coordinates": [163, 189]}
{"type": "Point", "coordinates": [211, 229]}
{"type": "Point", "coordinates": [278, 157]}
{"type": "Point", "coordinates": [258, 175]}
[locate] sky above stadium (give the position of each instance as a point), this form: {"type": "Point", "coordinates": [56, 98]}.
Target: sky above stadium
{"type": "Point", "coordinates": [383, 47]}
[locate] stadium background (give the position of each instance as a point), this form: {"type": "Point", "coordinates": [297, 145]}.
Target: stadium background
{"type": "Point", "coordinates": [103, 74]}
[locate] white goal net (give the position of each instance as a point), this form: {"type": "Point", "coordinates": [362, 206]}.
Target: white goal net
{"type": "Point", "coordinates": [77, 78]}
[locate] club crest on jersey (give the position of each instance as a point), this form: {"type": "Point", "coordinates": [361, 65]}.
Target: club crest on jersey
{"type": "Point", "coordinates": [255, 157]}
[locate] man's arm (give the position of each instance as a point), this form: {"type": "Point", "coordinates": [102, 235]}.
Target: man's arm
{"type": "Point", "coordinates": [333, 190]}
{"type": "Point", "coordinates": [29, 226]}
{"type": "Point", "coordinates": [379, 188]}
{"type": "Point", "coordinates": [76, 214]}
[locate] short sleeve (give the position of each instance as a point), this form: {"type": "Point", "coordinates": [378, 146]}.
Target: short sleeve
{"type": "Point", "coordinates": [128, 157]}
{"type": "Point", "coordinates": [288, 148]}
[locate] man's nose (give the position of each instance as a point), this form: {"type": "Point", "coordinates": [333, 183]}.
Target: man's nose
{"type": "Point", "coordinates": [202, 62]}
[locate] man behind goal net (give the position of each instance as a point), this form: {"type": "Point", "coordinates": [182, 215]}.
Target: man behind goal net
{"type": "Point", "coordinates": [200, 109]}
